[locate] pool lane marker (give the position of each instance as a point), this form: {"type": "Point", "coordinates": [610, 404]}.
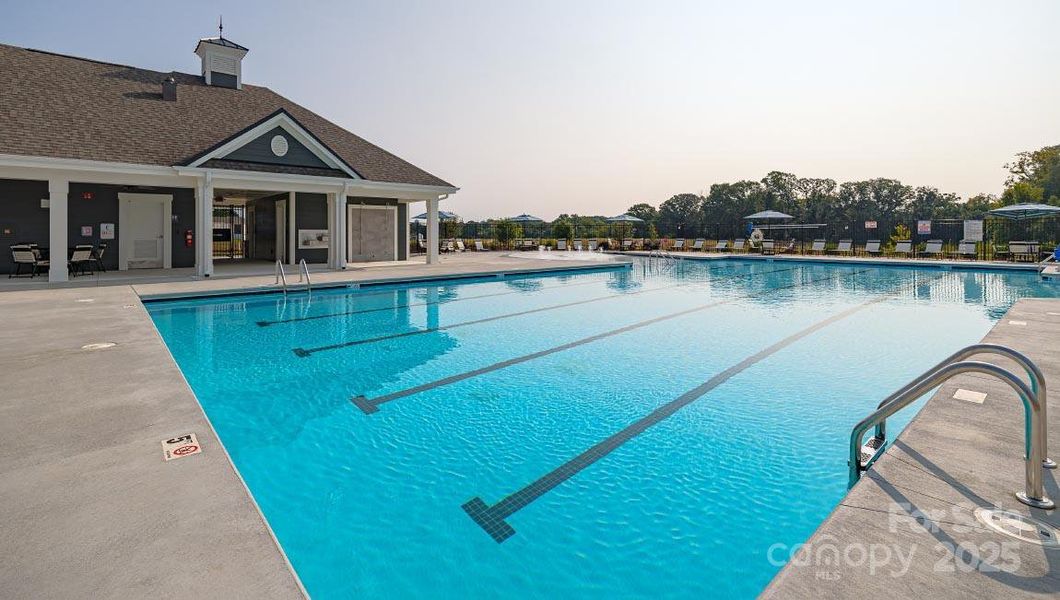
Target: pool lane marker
{"type": "Point", "coordinates": [492, 517]}
{"type": "Point", "coordinates": [369, 406]}
{"type": "Point", "coordinates": [306, 352]}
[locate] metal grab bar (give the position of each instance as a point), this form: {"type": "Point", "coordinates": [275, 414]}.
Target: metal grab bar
{"type": "Point", "coordinates": [281, 277]}
{"type": "Point", "coordinates": [1034, 374]}
{"type": "Point", "coordinates": [305, 269]}
{"type": "Point", "coordinates": [1034, 491]}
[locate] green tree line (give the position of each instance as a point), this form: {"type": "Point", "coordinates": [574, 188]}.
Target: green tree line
{"type": "Point", "coordinates": [1034, 176]}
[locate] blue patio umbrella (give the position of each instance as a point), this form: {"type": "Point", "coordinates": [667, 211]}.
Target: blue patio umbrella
{"type": "Point", "coordinates": [625, 218]}
{"type": "Point", "coordinates": [767, 216]}
{"type": "Point", "coordinates": [443, 215]}
{"type": "Point", "coordinates": [525, 218]}
{"type": "Point", "coordinates": [1026, 211]}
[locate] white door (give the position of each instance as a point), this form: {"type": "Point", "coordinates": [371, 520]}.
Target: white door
{"type": "Point", "coordinates": [371, 233]}
{"type": "Point", "coordinates": [281, 230]}
{"type": "Point", "coordinates": [143, 232]}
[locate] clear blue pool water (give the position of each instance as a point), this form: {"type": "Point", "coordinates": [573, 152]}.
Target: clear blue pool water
{"type": "Point", "coordinates": [727, 391]}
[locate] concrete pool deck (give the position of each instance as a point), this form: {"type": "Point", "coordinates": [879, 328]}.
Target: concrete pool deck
{"type": "Point", "coordinates": [913, 511]}
{"type": "Point", "coordinates": [90, 509]}
{"type": "Point", "coordinates": [88, 506]}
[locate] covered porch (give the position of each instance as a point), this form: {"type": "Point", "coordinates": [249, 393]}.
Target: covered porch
{"type": "Point", "coordinates": [162, 223]}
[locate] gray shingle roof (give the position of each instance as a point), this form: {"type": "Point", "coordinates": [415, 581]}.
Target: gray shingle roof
{"type": "Point", "coordinates": [65, 107]}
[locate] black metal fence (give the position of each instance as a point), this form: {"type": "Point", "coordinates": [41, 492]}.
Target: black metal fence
{"type": "Point", "coordinates": [995, 231]}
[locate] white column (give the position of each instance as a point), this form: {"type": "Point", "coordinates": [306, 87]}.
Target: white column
{"type": "Point", "coordinates": [340, 229]}
{"type": "Point", "coordinates": [330, 202]}
{"type": "Point", "coordinates": [58, 228]}
{"type": "Point", "coordinates": [292, 230]}
{"type": "Point", "coordinates": [432, 231]}
{"type": "Point", "coordinates": [204, 227]}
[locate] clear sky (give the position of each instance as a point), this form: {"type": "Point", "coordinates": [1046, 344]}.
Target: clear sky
{"type": "Point", "coordinates": [589, 107]}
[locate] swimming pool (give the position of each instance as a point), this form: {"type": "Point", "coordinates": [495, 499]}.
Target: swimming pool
{"type": "Point", "coordinates": [628, 431]}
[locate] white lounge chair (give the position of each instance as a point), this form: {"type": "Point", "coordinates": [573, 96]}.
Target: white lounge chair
{"type": "Point", "coordinates": [81, 261]}
{"type": "Point", "coordinates": [722, 246]}
{"type": "Point", "coordinates": [679, 245]}
{"type": "Point", "coordinates": [460, 246]}
{"type": "Point", "coordinates": [934, 248]}
{"type": "Point", "coordinates": [738, 245]}
{"type": "Point", "coordinates": [698, 245]}
{"type": "Point", "coordinates": [480, 247]}
{"type": "Point", "coordinates": [872, 247]}
{"type": "Point", "coordinates": [561, 244]}
{"type": "Point", "coordinates": [24, 258]}
{"type": "Point", "coordinates": [845, 247]}
{"type": "Point", "coordinates": [818, 246]}
{"type": "Point", "coordinates": [627, 245]}
{"type": "Point", "coordinates": [768, 247]}
{"type": "Point", "coordinates": [966, 249]}
{"type": "Point", "coordinates": [903, 248]}
{"type": "Point", "coordinates": [592, 245]}
{"type": "Point", "coordinates": [578, 245]}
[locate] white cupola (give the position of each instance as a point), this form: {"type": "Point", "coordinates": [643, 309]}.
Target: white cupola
{"type": "Point", "coordinates": [222, 61]}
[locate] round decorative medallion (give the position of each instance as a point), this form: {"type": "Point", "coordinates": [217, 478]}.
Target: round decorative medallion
{"type": "Point", "coordinates": [279, 145]}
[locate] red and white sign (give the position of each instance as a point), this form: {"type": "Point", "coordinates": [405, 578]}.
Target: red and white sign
{"type": "Point", "coordinates": [870, 224]}
{"type": "Point", "coordinates": [923, 227]}
{"type": "Point", "coordinates": [180, 446]}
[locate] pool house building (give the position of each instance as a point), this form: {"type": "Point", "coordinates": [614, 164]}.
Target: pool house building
{"type": "Point", "coordinates": [143, 169]}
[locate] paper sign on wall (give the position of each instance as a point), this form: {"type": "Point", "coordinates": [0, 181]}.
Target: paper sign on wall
{"type": "Point", "coordinates": [973, 231]}
{"type": "Point", "coordinates": [106, 231]}
{"type": "Point", "coordinates": [923, 227]}
{"type": "Point", "coordinates": [86, 231]}
{"type": "Point", "coordinates": [870, 224]}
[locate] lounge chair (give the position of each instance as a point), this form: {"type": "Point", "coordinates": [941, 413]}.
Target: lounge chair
{"type": "Point", "coordinates": [81, 260]}
{"type": "Point", "coordinates": [24, 258]}
{"type": "Point", "coordinates": [722, 246]}
{"type": "Point", "coordinates": [790, 248]}
{"type": "Point", "coordinates": [933, 248]}
{"type": "Point", "coordinates": [679, 245]}
{"type": "Point", "coordinates": [903, 248]}
{"type": "Point", "coordinates": [578, 245]}
{"type": "Point", "coordinates": [1023, 251]}
{"type": "Point", "coordinates": [460, 246]}
{"type": "Point", "coordinates": [561, 245]}
{"type": "Point", "coordinates": [738, 245]}
{"type": "Point", "coordinates": [966, 249]}
{"type": "Point", "coordinates": [872, 248]}
{"type": "Point", "coordinates": [480, 247]}
{"type": "Point", "coordinates": [845, 247]}
{"type": "Point", "coordinates": [698, 245]}
{"type": "Point", "coordinates": [592, 245]}
{"type": "Point", "coordinates": [768, 247]}
{"type": "Point", "coordinates": [627, 245]}
{"type": "Point", "coordinates": [1001, 252]}
{"type": "Point", "coordinates": [818, 247]}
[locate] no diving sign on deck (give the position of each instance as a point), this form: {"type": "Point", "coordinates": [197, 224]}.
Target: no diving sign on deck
{"type": "Point", "coordinates": [180, 446]}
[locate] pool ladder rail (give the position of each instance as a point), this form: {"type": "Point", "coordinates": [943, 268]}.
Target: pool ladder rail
{"type": "Point", "coordinates": [1049, 269]}
{"type": "Point", "coordinates": [303, 275]}
{"type": "Point", "coordinates": [1034, 407]}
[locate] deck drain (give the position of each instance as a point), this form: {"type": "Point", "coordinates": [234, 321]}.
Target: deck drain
{"type": "Point", "coordinates": [98, 346]}
{"type": "Point", "coordinates": [1015, 525]}
{"type": "Point", "coordinates": [86, 299]}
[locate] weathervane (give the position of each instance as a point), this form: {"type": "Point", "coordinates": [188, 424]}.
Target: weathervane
{"type": "Point", "coordinates": [220, 26]}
